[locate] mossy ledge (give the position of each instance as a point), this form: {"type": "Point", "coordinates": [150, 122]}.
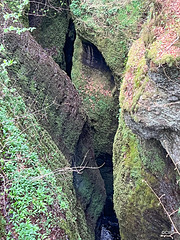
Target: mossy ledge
{"type": "Point", "coordinates": [97, 90]}
{"type": "Point", "coordinates": [111, 27]}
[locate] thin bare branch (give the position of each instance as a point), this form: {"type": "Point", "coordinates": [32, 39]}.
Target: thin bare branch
{"type": "Point", "coordinates": [176, 231]}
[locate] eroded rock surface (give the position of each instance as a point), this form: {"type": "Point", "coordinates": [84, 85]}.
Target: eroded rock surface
{"type": "Point", "coordinates": [158, 115]}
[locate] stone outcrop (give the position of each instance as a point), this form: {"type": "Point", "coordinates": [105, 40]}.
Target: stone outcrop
{"type": "Point", "coordinates": [51, 21]}
{"type": "Point", "coordinates": [104, 33]}
{"type": "Point", "coordinates": [111, 27]}
{"type": "Point", "coordinates": [157, 115]}
{"type": "Point", "coordinates": [141, 167]}
{"type": "Point", "coordinates": [149, 101]}
{"type": "Point", "coordinates": [95, 84]}
{"type": "Point", "coordinates": [80, 114]}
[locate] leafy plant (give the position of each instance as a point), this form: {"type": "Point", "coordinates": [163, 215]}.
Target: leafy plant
{"type": "Point", "coordinates": [30, 198]}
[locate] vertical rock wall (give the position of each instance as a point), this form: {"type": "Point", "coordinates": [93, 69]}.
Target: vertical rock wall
{"type": "Point", "coordinates": [146, 176]}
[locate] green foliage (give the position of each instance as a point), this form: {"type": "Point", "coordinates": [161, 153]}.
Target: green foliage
{"type": "Point", "coordinates": [26, 152]}
{"type": "Point", "coordinates": [2, 227]}
{"type": "Point", "coordinates": [29, 196]}
{"type": "Point", "coordinates": [111, 26]}
{"type": "Point", "coordinates": [130, 13]}
{"type": "Point", "coordinates": [17, 6]}
{"type": "Point", "coordinates": [109, 15]}
{"type": "Point", "coordinates": [17, 12]}
{"type": "Point", "coordinates": [75, 8]}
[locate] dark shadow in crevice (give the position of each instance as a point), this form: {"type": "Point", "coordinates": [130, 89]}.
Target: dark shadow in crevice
{"type": "Point", "coordinates": [93, 58]}
{"type": "Point", "coordinates": [107, 227]}
{"type": "Point", "coordinates": [69, 47]}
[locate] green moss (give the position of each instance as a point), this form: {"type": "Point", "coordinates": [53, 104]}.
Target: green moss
{"type": "Point", "coordinates": [36, 186]}
{"type": "Point", "coordinates": [114, 51]}
{"type": "Point", "coordinates": [95, 88]}
{"type": "Point", "coordinates": [133, 199]}
{"type": "Point", "coordinates": [77, 65]}
{"type": "Point", "coordinates": [2, 227]}
{"type": "Point", "coordinates": [147, 35]}
{"type": "Point", "coordinates": [161, 55]}
{"type": "Point", "coordinates": [38, 95]}
{"type": "Point", "coordinates": [51, 35]}
{"type": "Point", "coordinates": [152, 53]}
{"type": "Point", "coordinates": [129, 149]}
{"type": "Point", "coordinates": [152, 157]}
{"type": "Point", "coordinates": [136, 77]}
{"type": "Point", "coordinates": [75, 223]}
{"type": "Point", "coordinates": [139, 92]}
{"type": "Point", "coordinates": [137, 161]}
{"type": "Point", "coordinates": [110, 28]}
{"type": "Point", "coordinates": [168, 59]}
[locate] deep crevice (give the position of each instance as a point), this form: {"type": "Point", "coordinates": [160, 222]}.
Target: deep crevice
{"type": "Point", "coordinates": [41, 20]}
{"type": "Point", "coordinates": [107, 227]}
{"type": "Point", "coordinates": [69, 47]}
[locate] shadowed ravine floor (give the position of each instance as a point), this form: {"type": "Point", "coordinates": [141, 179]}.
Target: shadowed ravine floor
{"type": "Point", "coordinates": [107, 227]}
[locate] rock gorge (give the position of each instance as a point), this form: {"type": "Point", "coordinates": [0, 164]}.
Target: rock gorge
{"type": "Point", "coordinates": [89, 109]}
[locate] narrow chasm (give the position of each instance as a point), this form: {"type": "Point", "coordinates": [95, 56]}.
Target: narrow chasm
{"type": "Point", "coordinates": [69, 47]}
{"type": "Point", "coordinates": [107, 227]}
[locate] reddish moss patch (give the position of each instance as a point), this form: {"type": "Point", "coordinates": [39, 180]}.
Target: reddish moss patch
{"type": "Point", "coordinates": [135, 77]}
{"type": "Point", "coordinates": [166, 48]}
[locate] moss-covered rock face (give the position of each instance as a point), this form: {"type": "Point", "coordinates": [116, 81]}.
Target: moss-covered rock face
{"type": "Point", "coordinates": [149, 101]}
{"type": "Point", "coordinates": [105, 29]}
{"type": "Point", "coordinates": [110, 27]}
{"type": "Point", "coordinates": [37, 194]}
{"type": "Point", "coordinates": [139, 166]}
{"type": "Point", "coordinates": [50, 94]}
{"type": "Point", "coordinates": [150, 90]}
{"type": "Point", "coordinates": [51, 23]}
{"type": "Point", "coordinates": [48, 88]}
{"type": "Point", "coordinates": [95, 84]}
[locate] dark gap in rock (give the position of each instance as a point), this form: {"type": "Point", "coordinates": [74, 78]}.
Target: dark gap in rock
{"type": "Point", "coordinates": [107, 227]}
{"type": "Point", "coordinates": [69, 47]}
{"type": "Point", "coordinates": [68, 2]}
{"type": "Point", "coordinates": [93, 58]}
